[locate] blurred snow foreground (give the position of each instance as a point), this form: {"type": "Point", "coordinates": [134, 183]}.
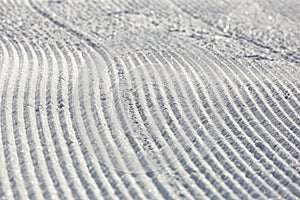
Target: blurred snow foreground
{"type": "Point", "coordinates": [132, 99]}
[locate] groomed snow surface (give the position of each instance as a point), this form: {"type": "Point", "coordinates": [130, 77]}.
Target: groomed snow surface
{"type": "Point", "coordinates": [162, 99]}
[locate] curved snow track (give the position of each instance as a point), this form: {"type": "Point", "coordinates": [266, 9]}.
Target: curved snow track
{"type": "Point", "coordinates": [149, 100]}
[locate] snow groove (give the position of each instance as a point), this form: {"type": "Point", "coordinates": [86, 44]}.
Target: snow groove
{"type": "Point", "coordinates": [149, 100]}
